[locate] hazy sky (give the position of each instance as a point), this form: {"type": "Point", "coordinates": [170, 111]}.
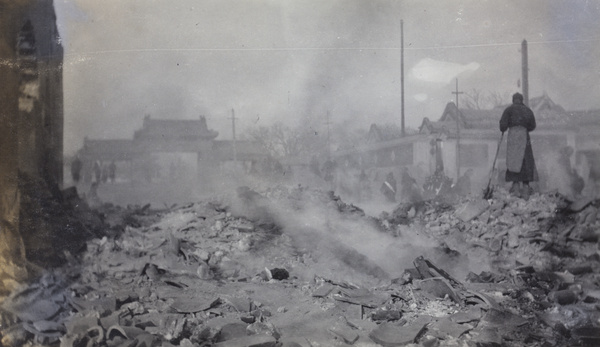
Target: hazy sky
{"type": "Point", "coordinates": [294, 60]}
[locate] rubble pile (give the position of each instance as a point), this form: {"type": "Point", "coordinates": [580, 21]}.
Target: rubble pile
{"type": "Point", "coordinates": [277, 269]}
{"type": "Point", "coordinates": [53, 224]}
{"type": "Point", "coordinates": [541, 256]}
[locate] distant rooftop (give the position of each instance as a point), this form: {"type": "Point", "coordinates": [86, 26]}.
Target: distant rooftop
{"type": "Point", "coordinates": [180, 129]}
{"type": "Point", "coordinates": [547, 113]}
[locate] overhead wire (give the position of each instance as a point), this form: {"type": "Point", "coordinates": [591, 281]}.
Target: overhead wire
{"type": "Point", "coordinates": [283, 49]}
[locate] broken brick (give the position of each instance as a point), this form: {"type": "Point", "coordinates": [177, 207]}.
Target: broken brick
{"type": "Point", "coordinates": [387, 315]}
{"type": "Point", "coordinates": [444, 327]}
{"type": "Point", "coordinates": [323, 290]}
{"type": "Point", "coordinates": [438, 288]}
{"type": "Point", "coordinates": [346, 334]}
{"type": "Point", "coordinates": [392, 334]}
{"type": "Point", "coordinates": [496, 317]}
{"type": "Point", "coordinates": [564, 297]}
{"type": "Point", "coordinates": [471, 210]}
{"type": "Point", "coordinates": [232, 331]}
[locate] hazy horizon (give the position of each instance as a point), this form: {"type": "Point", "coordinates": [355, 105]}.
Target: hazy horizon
{"type": "Point", "coordinates": [294, 60]}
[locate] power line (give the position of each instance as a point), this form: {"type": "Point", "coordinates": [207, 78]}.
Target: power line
{"type": "Point", "coordinates": [285, 49]}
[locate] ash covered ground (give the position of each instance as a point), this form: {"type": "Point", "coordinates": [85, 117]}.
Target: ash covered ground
{"type": "Point", "coordinates": [295, 266]}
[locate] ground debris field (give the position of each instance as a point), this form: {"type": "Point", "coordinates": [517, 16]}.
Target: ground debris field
{"type": "Point", "coordinates": [291, 266]}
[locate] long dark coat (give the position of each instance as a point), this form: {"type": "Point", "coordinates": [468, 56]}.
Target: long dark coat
{"type": "Point", "coordinates": [519, 114]}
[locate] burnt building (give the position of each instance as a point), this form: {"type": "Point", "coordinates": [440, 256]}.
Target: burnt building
{"type": "Point", "coordinates": [31, 114]}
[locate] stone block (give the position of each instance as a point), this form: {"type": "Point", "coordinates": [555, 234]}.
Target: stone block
{"type": "Point", "coordinates": [564, 297]}
{"type": "Point", "coordinates": [345, 334]}
{"type": "Point", "coordinates": [471, 209]}
{"type": "Point", "coordinates": [502, 318]}
{"type": "Point", "coordinates": [444, 327]}
{"type": "Point", "coordinates": [232, 331]}
{"type": "Point", "coordinates": [392, 334]}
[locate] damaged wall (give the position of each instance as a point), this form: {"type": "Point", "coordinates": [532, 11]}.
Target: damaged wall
{"type": "Point", "coordinates": [31, 114]}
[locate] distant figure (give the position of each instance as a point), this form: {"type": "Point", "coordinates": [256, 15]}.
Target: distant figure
{"type": "Point", "coordinates": [576, 182]}
{"type": "Point", "coordinates": [97, 171]}
{"type": "Point", "coordinates": [519, 120]}
{"type": "Point", "coordinates": [93, 198]}
{"type": "Point", "coordinates": [76, 167]}
{"type": "Point", "coordinates": [104, 173]}
{"type": "Point", "coordinates": [363, 176]}
{"type": "Point", "coordinates": [437, 185]}
{"type": "Point", "coordinates": [409, 189]}
{"type": "Point", "coordinates": [112, 171]}
{"type": "Point", "coordinates": [363, 186]}
{"type": "Point", "coordinates": [388, 188]}
{"type": "Point", "coordinates": [439, 161]}
{"type": "Point", "coordinates": [463, 184]}
{"type": "Point", "coordinates": [594, 173]}
{"type": "Point", "coordinates": [564, 158]}
{"type": "Point", "coordinates": [87, 173]}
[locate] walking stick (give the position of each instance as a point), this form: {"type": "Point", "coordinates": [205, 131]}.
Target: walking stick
{"type": "Point", "coordinates": [489, 191]}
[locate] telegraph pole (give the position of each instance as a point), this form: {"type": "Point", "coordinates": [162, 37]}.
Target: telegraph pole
{"type": "Point", "coordinates": [403, 132]}
{"type": "Point", "coordinates": [233, 133]}
{"type": "Point", "coordinates": [525, 72]}
{"type": "Point", "coordinates": [456, 92]}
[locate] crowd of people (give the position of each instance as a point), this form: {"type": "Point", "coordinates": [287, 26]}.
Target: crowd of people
{"type": "Point", "coordinates": [99, 173]}
{"type": "Point", "coordinates": [93, 176]}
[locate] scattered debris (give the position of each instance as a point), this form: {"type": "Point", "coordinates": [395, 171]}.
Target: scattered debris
{"type": "Point", "coordinates": [215, 273]}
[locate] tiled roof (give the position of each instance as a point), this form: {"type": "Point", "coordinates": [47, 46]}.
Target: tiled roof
{"type": "Point", "coordinates": [547, 113]}
{"type": "Point", "coordinates": [387, 132]}
{"type": "Point", "coordinates": [378, 133]}
{"type": "Point", "coordinates": [183, 129]}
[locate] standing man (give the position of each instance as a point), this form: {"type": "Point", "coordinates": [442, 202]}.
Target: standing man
{"type": "Point", "coordinates": [519, 120]}
{"type": "Point", "coordinates": [388, 188]}
{"type": "Point", "coordinates": [409, 189]}
{"type": "Point", "coordinates": [463, 183]}
{"type": "Point", "coordinates": [97, 171]}
{"type": "Point", "coordinates": [76, 167]}
{"type": "Point", "coordinates": [112, 171]}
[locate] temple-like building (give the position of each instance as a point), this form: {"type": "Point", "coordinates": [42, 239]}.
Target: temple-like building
{"type": "Point", "coordinates": [175, 136]}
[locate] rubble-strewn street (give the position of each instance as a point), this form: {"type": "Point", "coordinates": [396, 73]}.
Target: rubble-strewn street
{"type": "Point", "coordinates": [283, 174]}
{"type": "Point", "coordinates": [299, 267]}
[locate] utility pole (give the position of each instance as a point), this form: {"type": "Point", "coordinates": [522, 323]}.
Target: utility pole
{"type": "Point", "coordinates": [233, 133]}
{"type": "Point", "coordinates": [456, 92]}
{"type": "Point", "coordinates": [525, 72]}
{"type": "Point", "coordinates": [402, 129]}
